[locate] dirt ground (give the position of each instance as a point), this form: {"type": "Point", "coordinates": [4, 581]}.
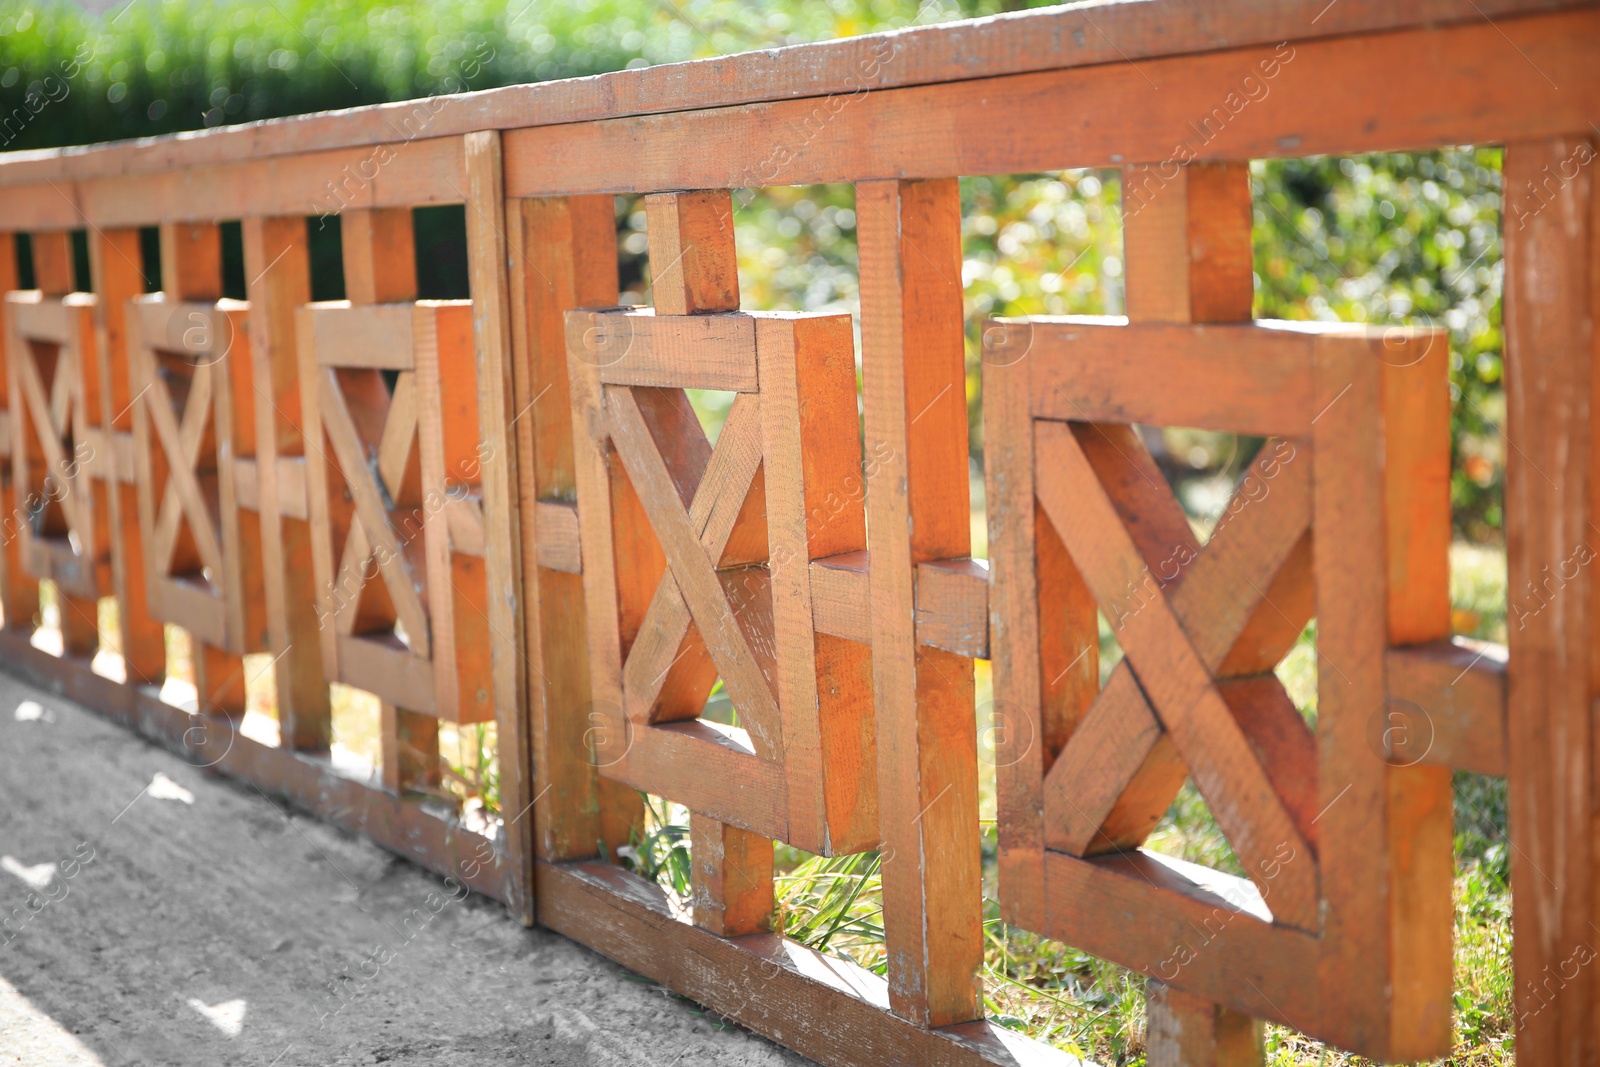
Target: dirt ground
{"type": "Point", "coordinates": [150, 914]}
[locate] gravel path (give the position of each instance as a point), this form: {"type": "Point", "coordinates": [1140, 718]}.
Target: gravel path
{"type": "Point", "coordinates": [161, 916]}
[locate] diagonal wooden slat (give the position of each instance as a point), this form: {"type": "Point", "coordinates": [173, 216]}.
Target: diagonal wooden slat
{"type": "Point", "coordinates": [399, 442]}
{"type": "Point", "coordinates": [1115, 801]}
{"type": "Point", "coordinates": [182, 446]}
{"type": "Point", "coordinates": [1227, 771]}
{"type": "Point", "coordinates": [748, 686]}
{"type": "Point", "coordinates": [394, 564]}
{"type": "Point", "coordinates": [668, 673]}
{"type": "Point", "coordinates": [49, 435]}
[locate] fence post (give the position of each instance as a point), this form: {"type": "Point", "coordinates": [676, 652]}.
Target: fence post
{"type": "Point", "coordinates": [919, 509]}
{"type": "Point", "coordinates": [1552, 290]}
{"type": "Point", "coordinates": [19, 593]}
{"type": "Point", "coordinates": [491, 319]}
{"type": "Point", "coordinates": [1187, 252]}
{"type": "Point", "coordinates": [278, 271]}
{"type": "Point", "coordinates": [563, 255]}
{"type": "Point", "coordinates": [115, 266]}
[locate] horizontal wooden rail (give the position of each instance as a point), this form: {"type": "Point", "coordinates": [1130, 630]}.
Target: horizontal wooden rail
{"type": "Point", "coordinates": [1005, 44]}
{"type": "Point", "coordinates": [1448, 705]}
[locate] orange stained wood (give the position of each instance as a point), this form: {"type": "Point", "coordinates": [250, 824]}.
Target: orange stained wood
{"type": "Point", "coordinates": [917, 499]}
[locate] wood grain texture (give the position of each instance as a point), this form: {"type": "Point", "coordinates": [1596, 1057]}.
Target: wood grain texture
{"type": "Point", "coordinates": [1447, 705]}
{"type": "Point", "coordinates": [1186, 1031]}
{"type": "Point", "coordinates": [830, 70]}
{"type": "Point", "coordinates": [637, 347]}
{"type": "Point", "coordinates": [277, 263]}
{"type": "Point", "coordinates": [1552, 293]}
{"type": "Point", "coordinates": [1316, 102]}
{"type": "Point", "coordinates": [917, 502]}
{"type": "Point", "coordinates": [494, 456]}
{"type": "Point", "coordinates": [562, 255]}
{"type": "Point", "coordinates": [116, 274]}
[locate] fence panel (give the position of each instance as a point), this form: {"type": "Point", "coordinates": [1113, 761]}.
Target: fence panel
{"type": "Point", "coordinates": [504, 510]}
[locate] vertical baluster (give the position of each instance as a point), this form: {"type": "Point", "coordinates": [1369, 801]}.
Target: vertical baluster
{"type": "Point", "coordinates": [278, 272]}
{"type": "Point", "coordinates": [1186, 244]}
{"type": "Point", "coordinates": [563, 255]}
{"type": "Point", "coordinates": [19, 592]}
{"type": "Point", "coordinates": [695, 271]}
{"type": "Point", "coordinates": [54, 277]}
{"type": "Point", "coordinates": [1552, 255]}
{"type": "Point", "coordinates": [380, 268]}
{"type": "Point", "coordinates": [115, 266]}
{"type": "Point", "coordinates": [191, 270]}
{"type": "Point", "coordinates": [491, 314]}
{"type": "Point", "coordinates": [919, 509]}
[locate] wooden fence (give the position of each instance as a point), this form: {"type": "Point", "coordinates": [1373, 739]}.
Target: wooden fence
{"type": "Point", "coordinates": [504, 510]}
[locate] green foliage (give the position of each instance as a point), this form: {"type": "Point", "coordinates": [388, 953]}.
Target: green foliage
{"type": "Point", "coordinates": [1402, 239]}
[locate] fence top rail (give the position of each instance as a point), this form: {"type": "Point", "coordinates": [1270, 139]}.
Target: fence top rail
{"type": "Point", "coordinates": [1073, 35]}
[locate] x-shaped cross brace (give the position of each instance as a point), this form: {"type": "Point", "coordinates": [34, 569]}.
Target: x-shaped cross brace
{"type": "Point", "coordinates": [371, 533]}
{"type": "Point", "coordinates": [1174, 644]}
{"type": "Point", "coordinates": [183, 497]}
{"type": "Point", "coordinates": [52, 417]}
{"type": "Point", "coordinates": [727, 608]}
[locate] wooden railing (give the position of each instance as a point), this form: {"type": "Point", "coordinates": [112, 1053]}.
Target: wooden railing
{"type": "Point", "coordinates": [504, 509]}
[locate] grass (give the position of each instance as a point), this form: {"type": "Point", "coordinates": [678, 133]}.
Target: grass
{"type": "Point", "coordinates": [1094, 1009]}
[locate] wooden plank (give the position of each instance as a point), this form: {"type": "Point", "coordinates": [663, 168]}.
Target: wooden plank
{"type": "Point", "coordinates": [562, 253]}
{"type": "Point", "coordinates": [384, 667]}
{"type": "Point", "coordinates": [638, 347]}
{"type": "Point", "coordinates": [1552, 294]}
{"type": "Point", "coordinates": [291, 487]}
{"type": "Point", "coordinates": [693, 268]}
{"type": "Point", "coordinates": [447, 398]}
{"type": "Point", "coordinates": [36, 316]}
{"type": "Point", "coordinates": [953, 606]}
{"type": "Point", "coordinates": [556, 523]}
{"type": "Point", "coordinates": [918, 509]}
{"type": "Point", "coordinates": [378, 249]}
{"type": "Point", "coordinates": [1185, 925]}
{"type": "Point", "coordinates": [499, 516]}
{"type": "Point", "coordinates": [19, 593]}
{"type": "Point", "coordinates": [52, 263]}
{"type": "Point", "coordinates": [839, 597]}
{"type": "Point", "coordinates": [1368, 819]}
{"type": "Point", "coordinates": [421, 171]}
{"type": "Point", "coordinates": [1187, 1031]}
{"type": "Point", "coordinates": [732, 878]}
{"type": "Point", "coordinates": [707, 767]}
{"type": "Point", "coordinates": [350, 335]}
{"type": "Point", "coordinates": [1420, 834]}
{"type": "Point", "coordinates": [1238, 379]}
{"type": "Point", "coordinates": [1447, 705]}
{"type": "Point", "coordinates": [1319, 104]}
{"type": "Point", "coordinates": [821, 1006]}
{"type": "Point", "coordinates": [811, 465]}
{"type": "Point", "coordinates": [617, 584]}
{"type": "Point", "coordinates": [243, 579]}
{"type": "Point", "coordinates": [831, 71]}
{"type": "Point", "coordinates": [1189, 255]}
{"type": "Point", "coordinates": [117, 275]}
